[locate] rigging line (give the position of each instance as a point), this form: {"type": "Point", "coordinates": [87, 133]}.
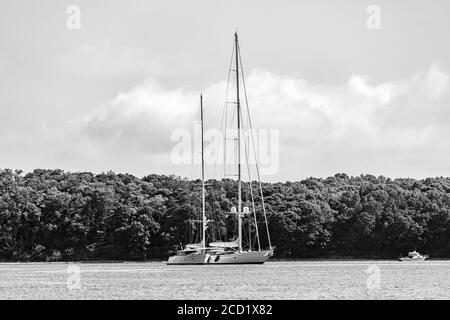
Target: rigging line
{"type": "Point", "coordinates": [251, 186]}
{"type": "Point", "coordinates": [225, 140]}
{"type": "Point", "coordinates": [215, 230]}
{"type": "Point", "coordinates": [226, 228]}
{"type": "Point", "coordinates": [226, 136]}
{"type": "Point", "coordinates": [205, 128]}
{"type": "Point", "coordinates": [244, 234]}
{"type": "Point", "coordinates": [230, 123]}
{"type": "Point", "coordinates": [233, 115]}
{"type": "Point", "coordinates": [218, 222]}
{"type": "Point", "coordinates": [214, 225]}
{"type": "Point", "coordinates": [189, 232]}
{"type": "Point", "coordinates": [211, 227]}
{"type": "Point", "coordinates": [192, 168]}
{"type": "Point", "coordinates": [225, 105]}
{"type": "Point", "coordinates": [225, 146]}
{"type": "Point", "coordinates": [236, 160]}
{"type": "Point", "coordinates": [226, 111]}
{"type": "Point", "coordinates": [223, 124]}
{"type": "Point", "coordinates": [242, 178]}
{"type": "Point", "coordinates": [254, 149]}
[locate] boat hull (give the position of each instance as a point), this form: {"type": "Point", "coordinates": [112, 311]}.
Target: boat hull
{"type": "Point", "coordinates": [246, 257]}
{"type": "Point", "coordinates": [197, 258]}
{"type": "Point", "coordinates": [411, 260]}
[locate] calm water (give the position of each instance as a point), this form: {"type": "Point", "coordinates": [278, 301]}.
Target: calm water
{"type": "Point", "coordinates": [273, 280]}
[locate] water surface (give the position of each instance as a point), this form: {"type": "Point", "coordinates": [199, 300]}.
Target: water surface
{"type": "Point", "coordinates": [273, 280]}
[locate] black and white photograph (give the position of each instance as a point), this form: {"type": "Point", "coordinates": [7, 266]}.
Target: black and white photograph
{"type": "Point", "coordinates": [236, 153]}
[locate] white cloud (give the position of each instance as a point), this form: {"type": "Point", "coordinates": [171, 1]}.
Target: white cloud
{"type": "Point", "coordinates": [142, 119]}
{"type": "Point", "coordinates": [390, 128]}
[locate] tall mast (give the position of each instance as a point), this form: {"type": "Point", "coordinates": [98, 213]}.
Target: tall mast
{"type": "Point", "coordinates": [238, 104]}
{"type": "Point", "coordinates": [203, 177]}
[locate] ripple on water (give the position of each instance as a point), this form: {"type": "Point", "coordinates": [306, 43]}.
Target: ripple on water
{"type": "Point", "coordinates": [273, 280]}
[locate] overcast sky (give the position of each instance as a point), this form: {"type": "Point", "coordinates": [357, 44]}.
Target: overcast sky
{"type": "Point", "coordinates": [108, 96]}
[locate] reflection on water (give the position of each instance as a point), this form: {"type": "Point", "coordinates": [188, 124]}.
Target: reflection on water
{"type": "Point", "coordinates": [273, 280]}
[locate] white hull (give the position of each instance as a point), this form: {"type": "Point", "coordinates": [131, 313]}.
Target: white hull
{"type": "Point", "coordinates": [412, 259]}
{"type": "Point", "coordinates": [414, 256]}
{"type": "Point", "coordinates": [245, 257]}
{"type": "Point", "coordinates": [194, 258]}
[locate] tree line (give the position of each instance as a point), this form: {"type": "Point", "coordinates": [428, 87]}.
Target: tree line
{"type": "Point", "coordinates": [52, 215]}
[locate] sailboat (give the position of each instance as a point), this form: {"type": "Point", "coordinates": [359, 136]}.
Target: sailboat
{"type": "Point", "coordinates": [227, 252]}
{"type": "Point", "coordinates": [196, 253]}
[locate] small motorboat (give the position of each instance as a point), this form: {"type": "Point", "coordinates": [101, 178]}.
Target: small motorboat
{"type": "Point", "coordinates": [414, 256]}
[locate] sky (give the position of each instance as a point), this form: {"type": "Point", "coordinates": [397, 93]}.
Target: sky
{"type": "Point", "coordinates": [344, 96]}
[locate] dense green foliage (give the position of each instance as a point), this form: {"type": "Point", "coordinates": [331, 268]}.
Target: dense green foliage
{"type": "Point", "coordinates": [55, 215]}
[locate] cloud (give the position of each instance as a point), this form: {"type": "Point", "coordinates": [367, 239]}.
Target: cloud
{"type": "Point", "coordinates": [142, 119]}
{"type": "Point", "coordinates": [392, 127]}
